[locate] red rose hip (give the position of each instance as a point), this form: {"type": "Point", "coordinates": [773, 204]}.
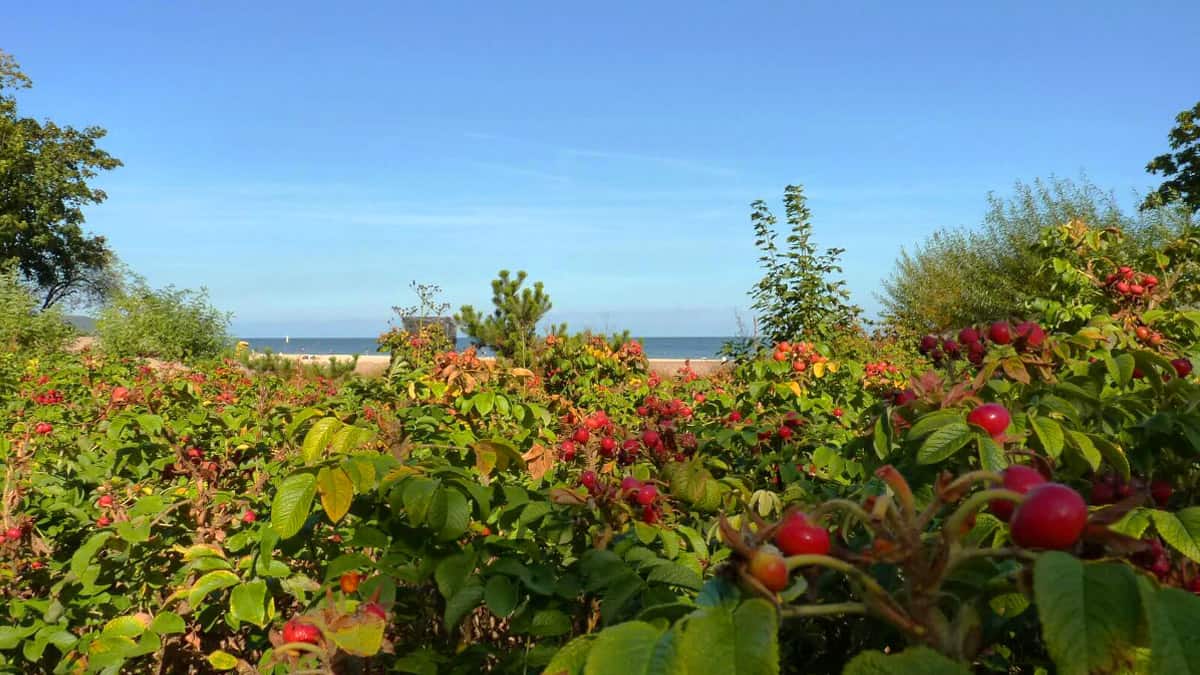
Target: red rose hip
{"type": "Point", "coordinates": [797, 536]}
{"type": "Point", "coordinates": [1052, 516]}
{"type": "Point", "coordinates": [992, 417]}
{"type": "Point", "coordinates": [1000, 333]}
{"type": "Point", "coordinates": [1019, 479]}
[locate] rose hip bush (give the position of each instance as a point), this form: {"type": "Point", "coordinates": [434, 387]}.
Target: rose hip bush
{"type": "Point", "coordinates": [999, 498]}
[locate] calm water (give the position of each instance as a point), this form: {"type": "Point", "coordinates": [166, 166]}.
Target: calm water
{"type": "Point", "coordinates": [656, 347]}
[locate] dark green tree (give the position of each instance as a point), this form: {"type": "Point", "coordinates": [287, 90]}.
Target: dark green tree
{"type": "Point", "coordinates": [44, 174]}
{"type": "Point", "coordinates": [511, 328]}
{"type": "Point", "coordinates": [1181, 167]}
{"type": "Point", "coordinates": [799, 295]}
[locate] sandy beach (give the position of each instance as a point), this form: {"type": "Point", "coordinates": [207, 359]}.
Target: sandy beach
{"type": "Point", "coordinates": [371, 365]}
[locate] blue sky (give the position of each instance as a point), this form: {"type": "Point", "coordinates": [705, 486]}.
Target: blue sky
{"type": "Point", "coordinates": [305, 160]}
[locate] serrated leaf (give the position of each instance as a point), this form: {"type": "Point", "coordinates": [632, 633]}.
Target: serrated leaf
{"type": "Point", "coordinates": [1089, 612]}
{"type": "Point", "coordinates": [360, 636]}
{"type": "Point", "coordinates": [350, 438]}
{"type": "Point", "coordinates": [466, 599]}
{"type": "Point", "coordinates": [318, 438]}
{"type": "Point", "coordinates": [455, 515]}
{"type": "Point", "coordinates": [209, 583]}
{"type": "Point", "coordinates": [1174, 617]}
{"type": "Point", "coordinates": [626, 648]}
{"type": "Point", "coordinates": [1083, 445]}
{"type": "Point", "coordinates": [125, 626]}
{"type": "Point", "coordinates": [484, 402]}
{"type": "Point", "coordinates": [931, 422]}
{"type": "Point", "coordinates": [676, 575]}
{"type": "Point", "coordinates": [944, 442]}
{"type": "Point", "coordinates": [337, 492]}
{"type": "Point", "coordinates": [1180, 529]}
{"type": "Point", "coordinates": [991, 455]}
{"type": "Point", "coordinates": [292, 503]}
{"type": "Point", "coordinates": [1049, 433]}
{"type": "Point", "coordinates": [418, 499]}
{"type": "Point", "coordinates": [248, 602]}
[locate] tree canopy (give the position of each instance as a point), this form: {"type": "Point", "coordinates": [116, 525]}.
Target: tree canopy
{"type": "Point", "coordinates": [1181, 167]}
{"type": "Point", "coordinates": [45, 171]}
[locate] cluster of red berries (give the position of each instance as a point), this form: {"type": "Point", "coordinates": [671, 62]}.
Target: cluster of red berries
{"type": "Point", "coordinates": [43, 428]}
{"type": "Point", "coordinates": [1147, 336]}
{"type": "Point", "coordinates": [1127, 284]}
{"type": "Point", "coordinates": [1110, 488]}
{"type": "Point", "coordinates": [49, 397]}
{"type": "Point", "coordinates": [802, 355]}
{"type": "Point", "coordinates": [787, 428]}
{"type": "Point", "coordinates": [664, 410]}
{"type": "Point", "coordinates": [639, 495]}
{"type": "Point", "coordinates": [972, 343]}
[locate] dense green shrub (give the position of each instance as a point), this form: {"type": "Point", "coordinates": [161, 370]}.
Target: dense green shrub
{"type": "Point", "coordinates": [168, 323]}
{"type": "Point", "coordinates": [960, 277]}
{"type": "Point", "coordinates": [22, 326]}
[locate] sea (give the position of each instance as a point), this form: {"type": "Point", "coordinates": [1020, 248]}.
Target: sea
{"type": "Point", "coordinates": [656, 347]}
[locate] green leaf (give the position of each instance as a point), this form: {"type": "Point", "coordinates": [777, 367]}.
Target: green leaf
{"type": "Point", "coordinates": [1113, 454]}
{"type": "Point", "coordinates": [1049, 433]}
{"type": "Point", "coordinates": [466, 599]}
{"type": "Point", "coordinates": [134, 531]}
{"type": "Point", "coordinates": [361, 637]}
{"type": "Point", "coordinates": [452, 573]}
{"type": "Point", "coordinates": [991, 455]}
{"type": "Point", "coordinates": [944, 442]}
{"type": "Point", "coordinates": [318, 438]}
{"type": "Point", "coordinates": [82, 558]}
{"type": "Point", "coordinates": [484, 401]}
{"type": "Point", "coordinates": [213, 581]}
{"type": "Point", "coordinates": [292, 503]}
{"type": "Point", "coordinates": [626, 648]}
{"type": "Point", "coordinates": [550, 622]}
{"type": "Point", "coordinates": [911, 661]}
{"type": "Point", "coordinates": [931, 422]}
{"type": "Point", "coordinates": [756, 647]}
{"type": "Point", "coordinates": [222, 660]}
{"type": "Point", "coordinates": [1089, 612]}
{"type": "Point", "coordinates": [1180, 529]}
{"type": "Point", "coordinates": [1174, 618]}
{"type": "Point", "coordinates": [571, 658]}
{"type": "Point", "coordinates": [455, 515]}
{"type": "Point", "coordinates": [350, 438]}
{"type": "Point", "coordinates": [500, 594]}
{"type": "Point", "coordinates": [124, 626]}
{"type": "Point", "coordinates": [337, 492]}
{"type": "Point", "coordinates": [676, 575]}
{"type": "Point", "coordinates": [248, 602]}
{"type": "Point", "coordinates": [881, 438]}
{"type": "Point", "coordinates": [167, 623]}
{"type": "Point", "coordinates": [418, 499]}
{"type": "Point", "coordinates": [1087, 450]}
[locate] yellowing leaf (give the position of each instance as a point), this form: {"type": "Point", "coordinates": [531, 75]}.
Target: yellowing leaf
{"type": "Point", "coordinates": [337, 492]}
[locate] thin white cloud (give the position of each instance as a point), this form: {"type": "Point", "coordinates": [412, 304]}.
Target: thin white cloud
{"type": "Point", "coordinates": [572, 151]}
